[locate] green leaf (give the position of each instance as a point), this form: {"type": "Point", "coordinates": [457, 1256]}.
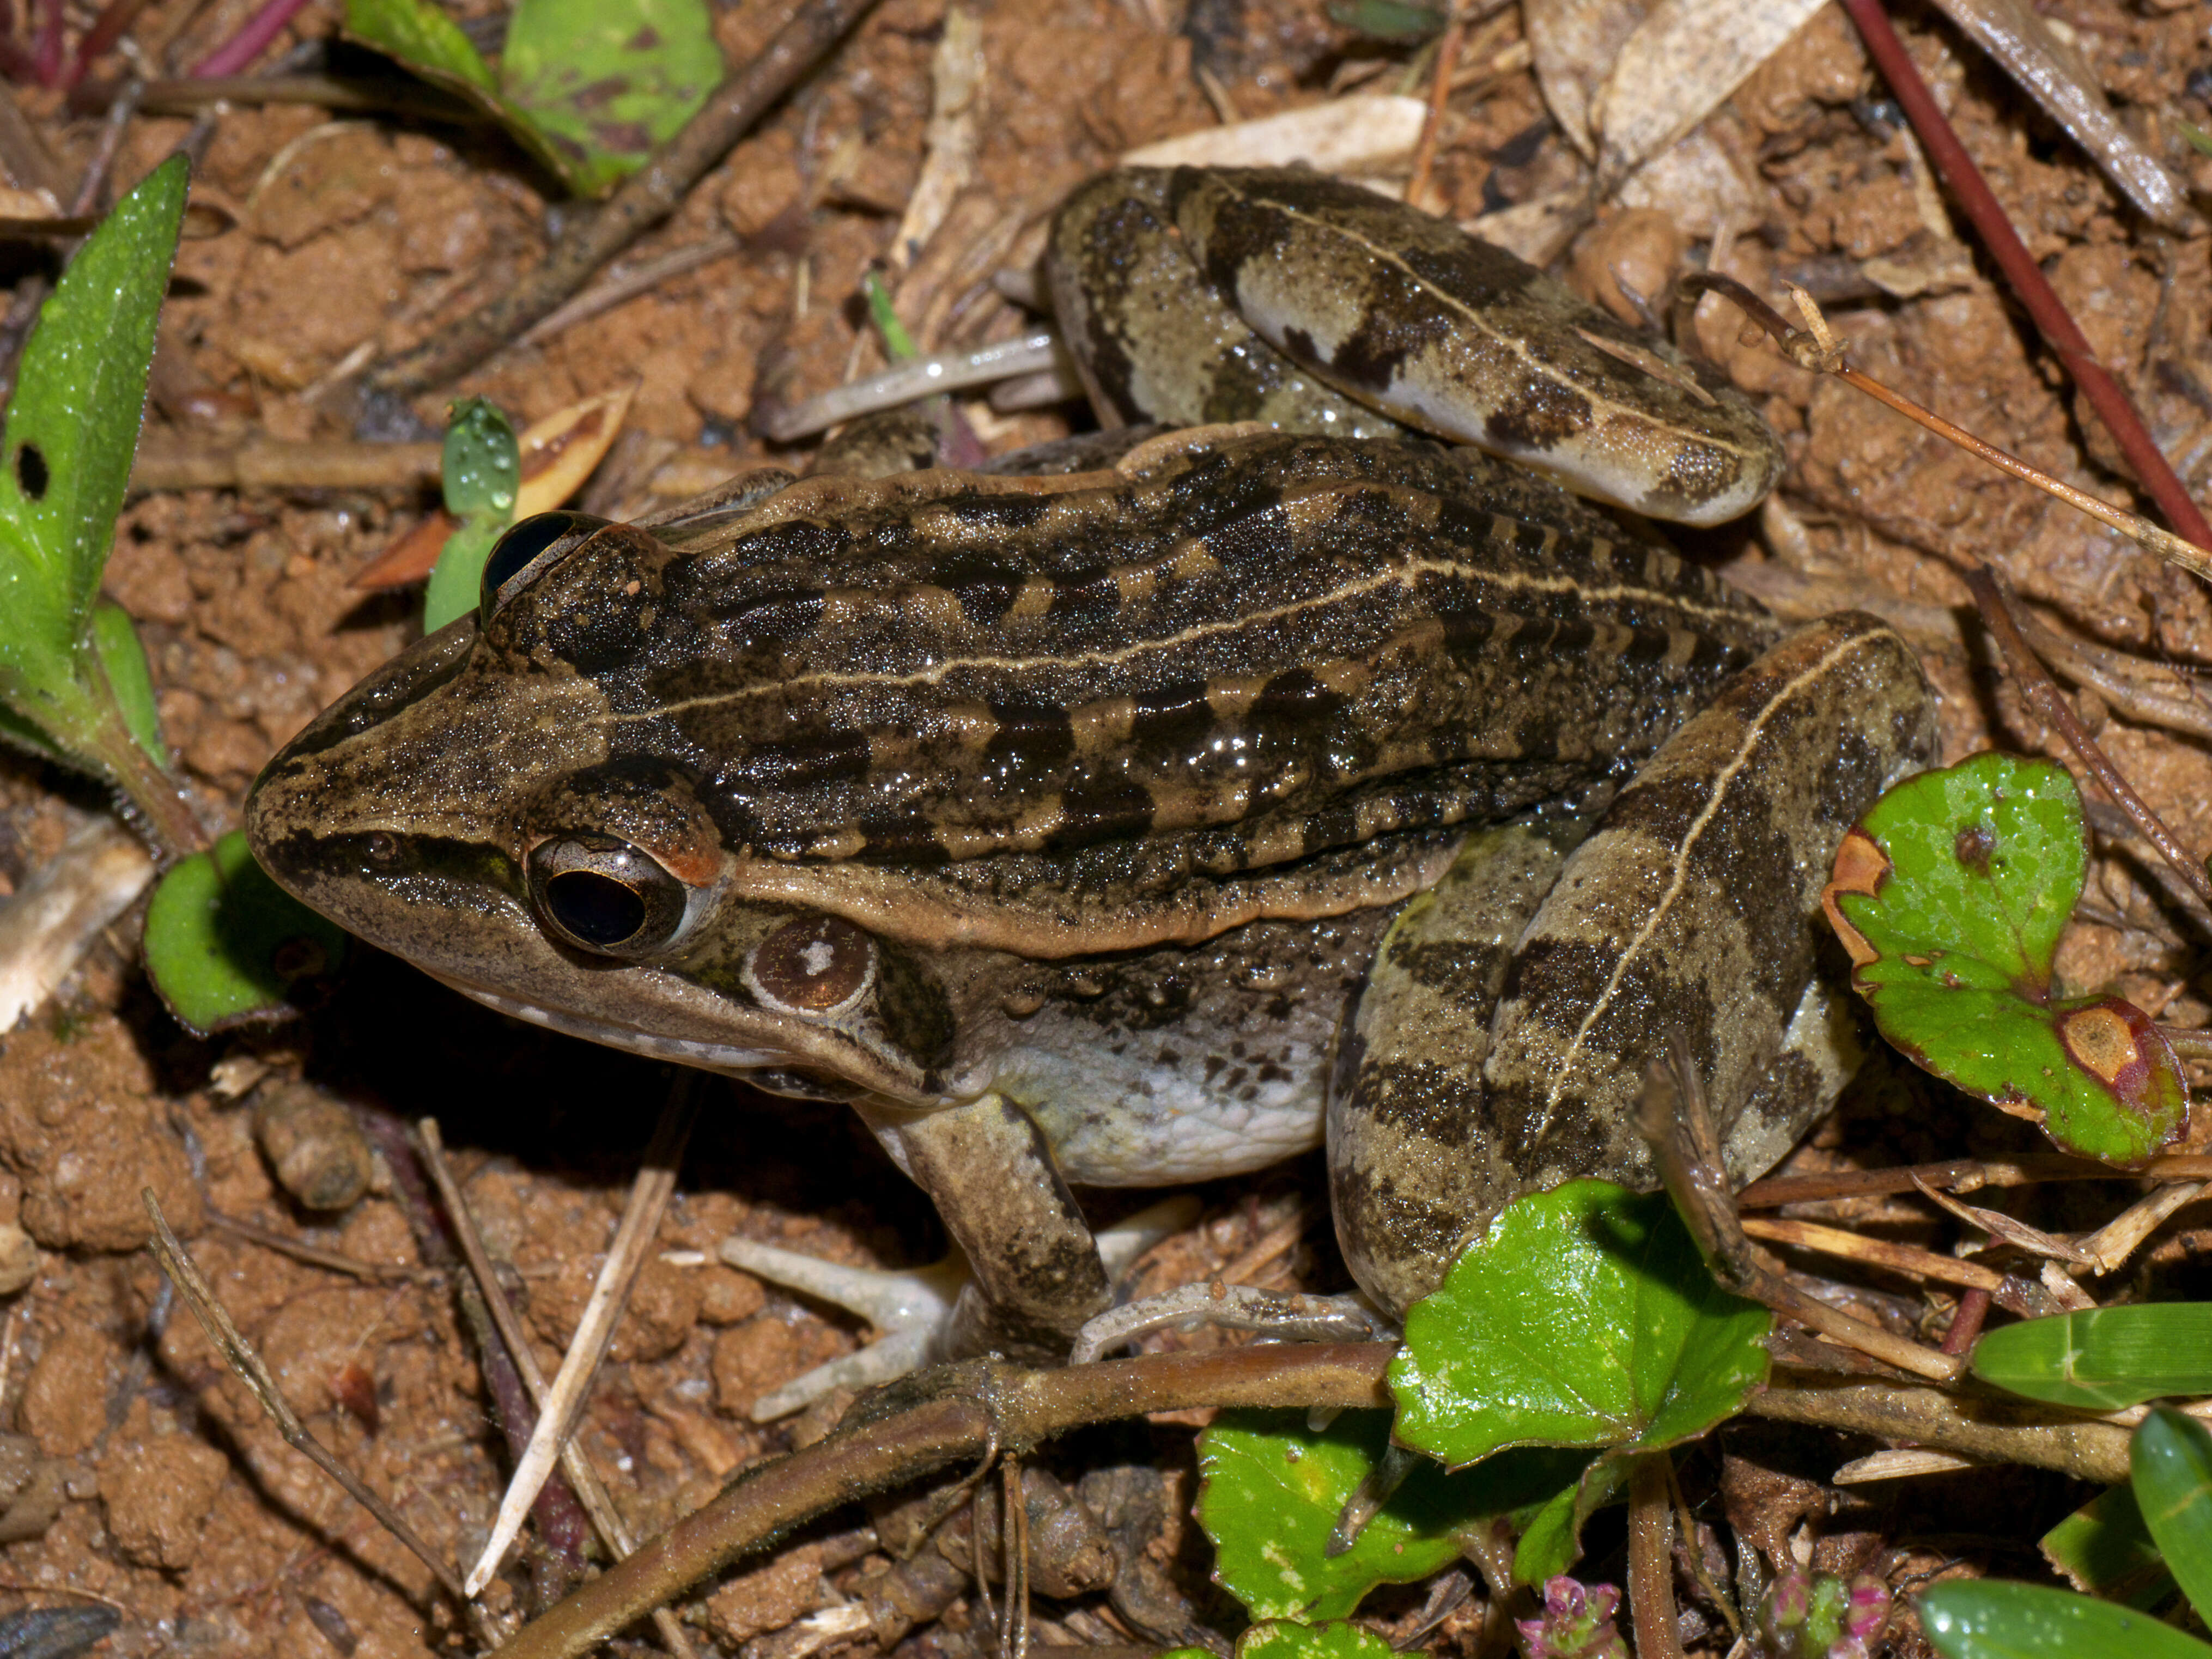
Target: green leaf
{"type": "Point", "coordinates": [1551, 1541]}
{"type": "Point", "coordinates": [123, 660]}
{"type": "Point", "coordinates": [2170, 1459]}
{"type": "Point", "coordinates": [482, 468]}
{"type": "Point", "coordinates": [66, 452]}
{"type": "Point", "coordinates": [2105, 1548]}
{"type": "Point", "coordinates": [1387, 19]}
{"type": "Point", "coordinates": [1584, 1317]}
{"type": "Point", "coordinates": [420, 35]}
{"type": "Point", "coordinates": [607, 83]}
{"type": "Point", "coordinates": [1957, 886]}
{"type": "Point", "coordinates": [1278, 1640]}
{"type": "Point", "coordinates": [1273, 1489]}
{"type": "Point", "coordinates": [225, 945]}
{"type": "Point", "coordinates": [2105, 1359]}
{"type": "Point", "coordinates": [1976, 1619]}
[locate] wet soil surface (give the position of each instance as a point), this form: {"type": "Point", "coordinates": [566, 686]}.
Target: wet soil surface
{"type": "Point", "coordinates": [163, 1490]}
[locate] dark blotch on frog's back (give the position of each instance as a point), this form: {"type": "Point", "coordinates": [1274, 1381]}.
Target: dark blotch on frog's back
{"type": "Point", "coordinates": [1543, 414]}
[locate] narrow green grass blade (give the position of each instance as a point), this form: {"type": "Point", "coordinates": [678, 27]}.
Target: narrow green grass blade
{"type": "Point", "coordinates": [2105, 1359]}
{"type": "Point", "coordinates": [2171, 1457]}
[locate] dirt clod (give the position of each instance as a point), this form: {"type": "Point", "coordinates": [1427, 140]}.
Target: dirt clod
{"type": "Point", "coordinates": [158, 1494]}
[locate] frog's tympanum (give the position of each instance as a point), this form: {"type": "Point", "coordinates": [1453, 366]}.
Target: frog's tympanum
{"type": "Point", "coordinates": [1262, 770]}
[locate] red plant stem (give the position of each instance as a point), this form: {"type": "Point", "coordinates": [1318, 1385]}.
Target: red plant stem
{"type": "Point", "coordinates": [1966, 1320]}
{"type": "Point", "coordinates": [46, 45]}
{"type": "Point", "coordinates": [235, 55]}
{"type": "Point", "coordinates": [106, 29]}
{"type": "Point", "coordinates": [2052, 320]}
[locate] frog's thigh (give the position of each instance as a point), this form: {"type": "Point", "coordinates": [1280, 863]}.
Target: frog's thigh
{"type": "Point", "coordinates": [1692, 915]}
{"type": "Point", "coordinates": [991, 1173]}
{"type": "Point", "coordinates": [1406, 1099]}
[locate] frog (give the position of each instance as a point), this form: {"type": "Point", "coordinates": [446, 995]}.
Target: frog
{"type": "Point", "coordinates": [1328, 750]}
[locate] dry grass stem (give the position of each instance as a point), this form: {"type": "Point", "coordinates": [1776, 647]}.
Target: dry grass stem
{"type": "Point", "coordinates": [1879, 1252]}
{"type": "Point", "coordinates": [564, 1400]}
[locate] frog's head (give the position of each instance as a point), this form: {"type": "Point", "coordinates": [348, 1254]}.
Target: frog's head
{"type": "Point", "coordinates": [501, 806]}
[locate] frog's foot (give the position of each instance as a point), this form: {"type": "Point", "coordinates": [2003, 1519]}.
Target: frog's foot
{"type": "Point", "coordinates": [910, 1307]}
{"type": "Point", "coordinates": [1280, 1316]}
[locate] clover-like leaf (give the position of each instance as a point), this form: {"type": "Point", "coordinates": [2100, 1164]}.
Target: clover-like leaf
{"type": "Point", "coordinates": [592, 88]}
{"type": "Point", "coordinates": [1978, 1618]}
{"type": "Point", "coordinates": [1950, 895]}
{"type": "Point", "coordinates": [2103, 1360]}
{"type": "Point", "coordinates": [1583, 1317]}
{"type": "Point", "coordinates": [1273, 1489]}
{"type": "Point", "coordinates": [225, 945]}
{"type": "Point", "coordinates": [1279, 1639]}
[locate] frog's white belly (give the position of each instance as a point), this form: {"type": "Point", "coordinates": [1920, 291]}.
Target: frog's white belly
{"type": "Point", "coordinates": [1231, 1080]}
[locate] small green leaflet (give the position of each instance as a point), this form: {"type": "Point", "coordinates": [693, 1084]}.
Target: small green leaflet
{"type": "Point", "coordinates": [480, 471]}
{"type": "Point", "coordinates": [2170, 1463]}
{"type": "Point", "coordinates": [226, 945]}
{"type": "Point", "coordinates": [1950, 895]}
{"type": "Point", "coordinates": [2105, 1359]}
{"type": "Point", "coordinates": [1273, 1489]}
{"type": "Point", "coordinates": [1978, 1618]}
{"type": "Point", "coordinates": [593, 87]}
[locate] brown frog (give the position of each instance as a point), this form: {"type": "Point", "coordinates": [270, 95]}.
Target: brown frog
{"type": "Point", "coordinates": [1137, 818]}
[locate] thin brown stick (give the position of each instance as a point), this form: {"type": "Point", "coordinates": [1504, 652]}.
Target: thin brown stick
{"type": "Point", "coordinates": [591, 1491]}
{"type": "Point", "coordinates": [314, 1255]}
{"type": "Point", "coordinates": [184, 1272]}
{"type": "Point", "coordinates": [646, 198]}
{"type": "Point", "coordinates": [1963, 1175]}
{"type": "Point", "coordinates": [595, 1330]}
{"type": "Point", "coordinates": [978, 1405]}
{"type": "Point", "coordinates": [2043, 698]}
{"type": "Point", "coordinates": [2059, 331]}
{"type": "Point", "coordinates": [183, 463]}
{"type": "Point", "coordinates": [1992, 1431]}
{"type": "Point", "coordinates": [1854, 1247]}
{"type": "Point", "coordinates": [1816, 351]}
{"type": "Point", "coordinates": [1651, 1560]}
{"type": "Point", "coordinates": [1425, 149]}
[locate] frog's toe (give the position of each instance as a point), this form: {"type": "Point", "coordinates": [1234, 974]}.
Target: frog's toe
{"type": "Point", "coordinates": [908, 1307]}
{"type": "Point", "coordinates": [1279, 1316]}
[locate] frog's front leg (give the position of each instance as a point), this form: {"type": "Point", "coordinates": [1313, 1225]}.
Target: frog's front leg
{"type": "Point", "coordinates": [1691, 914]}
{"type": "Point", "coordinates": [1038, 1273]}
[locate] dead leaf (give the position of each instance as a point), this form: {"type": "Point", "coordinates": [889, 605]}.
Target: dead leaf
{"type": "Point", "coordinates": [1345, 135]}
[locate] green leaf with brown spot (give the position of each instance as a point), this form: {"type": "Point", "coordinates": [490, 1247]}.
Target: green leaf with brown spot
{"type": "Point", "coordinates": [607, 83]}
{"type": "Point", "coordinates": [1951, 895]}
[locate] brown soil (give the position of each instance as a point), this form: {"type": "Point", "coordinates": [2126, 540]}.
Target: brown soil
{"type": "Point", "coordinates": [174, 1498]}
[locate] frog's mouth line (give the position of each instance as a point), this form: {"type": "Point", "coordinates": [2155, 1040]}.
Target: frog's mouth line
{"type": "Point", "coordinates": [707, 1056]}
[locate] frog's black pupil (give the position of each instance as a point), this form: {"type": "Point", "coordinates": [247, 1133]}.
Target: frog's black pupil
{"type": "Point", "coordinates": [594, 909]}
{"type": "Point", "coordinates": [514, 551]}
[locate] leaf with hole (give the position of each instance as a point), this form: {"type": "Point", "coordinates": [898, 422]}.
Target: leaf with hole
{"type": "Point", "coordinates": [1273, 1489]}
{"type": "Point", "coordinates": [2104, 1358]}
{"type": "Point", "coordinates": [1950, 895]}
{"type": "Point", "coordinates": [1978, 1619]}
{"type": "Point", "coordinates": [226, 946]}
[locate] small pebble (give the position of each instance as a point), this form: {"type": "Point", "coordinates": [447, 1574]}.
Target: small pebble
{"type": "Point", "coordinates": [313, 1143]}
{"type": "Point", "coordinates": [19, 1259]}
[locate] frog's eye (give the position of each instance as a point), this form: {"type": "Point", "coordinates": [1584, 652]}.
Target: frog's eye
{"type": "Point", "coordinates": [813, 966]}
{"type": "Point", "coordinates": [526, 552]}
{"type": "Point", "coordinates": [605, 896]}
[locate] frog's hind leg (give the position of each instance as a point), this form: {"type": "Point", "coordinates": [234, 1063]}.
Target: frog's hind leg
{"type": "Point", "coordinates": [1691, 914]}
